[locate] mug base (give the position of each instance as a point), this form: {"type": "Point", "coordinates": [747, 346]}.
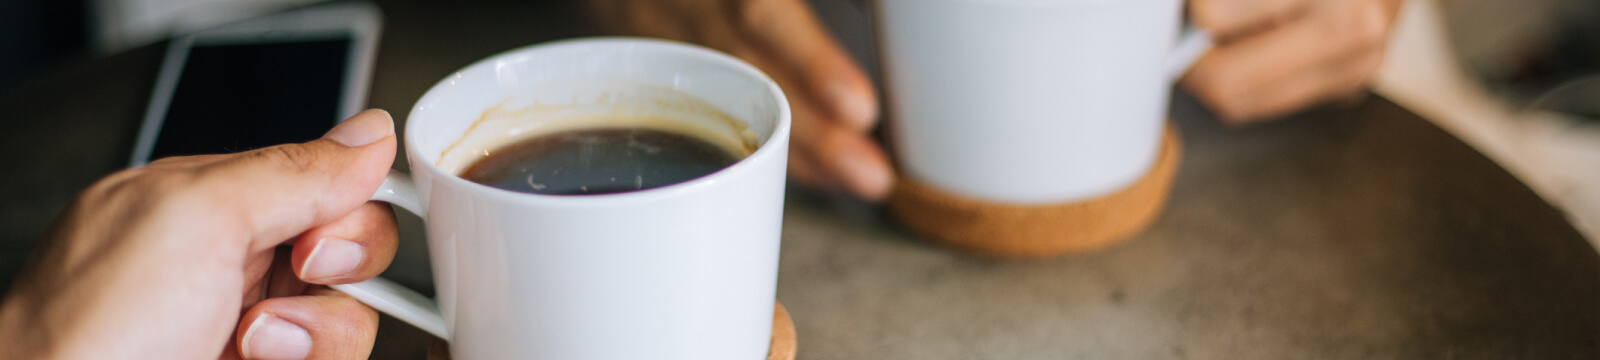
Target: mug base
{"type": "Point", "coordinates": [1037, 231]}
{"type": "Point", "coordinates": [783, 339]}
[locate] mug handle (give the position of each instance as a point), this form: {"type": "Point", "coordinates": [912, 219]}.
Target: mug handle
{"type": "Point", "coordinates": [388, 296]}
{"type": "Point", "coordinates": [1193, 43]}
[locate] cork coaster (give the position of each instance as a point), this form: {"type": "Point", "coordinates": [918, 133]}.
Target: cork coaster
{"type": "Point", "coordinates": [783, 339]}
{"type": "Point", "coordinates": [1034, 231]}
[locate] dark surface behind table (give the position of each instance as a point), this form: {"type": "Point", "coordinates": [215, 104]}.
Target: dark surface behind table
{"type": "Point", "coordinates": [1354, 233]}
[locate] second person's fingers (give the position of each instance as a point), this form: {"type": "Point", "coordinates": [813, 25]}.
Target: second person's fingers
{"type": "Point", "coordinates": [790, 32]}
{"type": "Point", "coordinates": [323, 324]}
{"type": "Point", "coordinates": [842, 156]}
{"type": "Point", "coordinates": [653, 18]}
{"type": "Point", "coordinates": [1231, 18]}
{"type": "Point", "coordinates": [1339, 78]}
{"type": "Point", "coordinates": [351, 249]}
{"type": "Point", "coordinates": [804, 169]}
{"type": "Point", "coordinates": [1229, 77]}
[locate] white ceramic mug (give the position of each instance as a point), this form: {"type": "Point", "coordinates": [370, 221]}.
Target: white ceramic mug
{"type": "Point", "coordinates": [1030, 101]}
{"type": "Point", "coordinates": [686, 271]}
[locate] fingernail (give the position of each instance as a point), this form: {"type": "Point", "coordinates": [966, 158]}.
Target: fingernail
{"type": "Point", "coordinates": [855, 107]}
{"type": "Point", "coordinates": [362, 129]}
{"type": "Point", "coordinates": [330, 259]}
{"type": "Point", "coordinates": [271, 338]}
{"type": "Point", "coordinates": [872, 180]}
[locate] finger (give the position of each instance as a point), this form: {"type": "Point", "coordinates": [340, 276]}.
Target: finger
{"type": "Point", "coordinates": [279, 280]}
{"type": "Point", "coordinates": [1227, 77]}
{"type": "Point", "coordinates": [789, 30]}
{"type": "Point", "coordinates": [844, 158]}
{"type": "Point", "coordinates": [654, 19]}
{"type": "Point", "coordinates": [847, 158]}
{"type": "Point", "coordinates": [804, 169]}
{"type": "Point", "coordinates": [323, 324]}
{"type": "Point", "coordinates": [1232, 18]}
{"type": "Point", "coordinates": [353, 248]}
{"type": "Point", "coordinates": [281, 191]}
{"type": "Point", "coordinates": [275, 277]}
{"type": "Point", "coordinates": [1327, 83]}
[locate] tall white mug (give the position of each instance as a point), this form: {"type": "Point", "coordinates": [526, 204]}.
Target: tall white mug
{"type": "Point", "coordinates": [1030, 101]}
{"type": "Point", "coordinates": [682, 272]}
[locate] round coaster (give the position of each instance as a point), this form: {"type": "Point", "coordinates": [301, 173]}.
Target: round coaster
{"type": "Point", "coordinates": [1032, 231]}
{"type": "Point", "coordinates": [783, 339]}
{"type": "Point", "coordinates": [783, 336]}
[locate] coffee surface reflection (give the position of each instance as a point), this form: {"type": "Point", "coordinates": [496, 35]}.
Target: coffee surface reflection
{"type": "Point", "coordinates": [599, 161]}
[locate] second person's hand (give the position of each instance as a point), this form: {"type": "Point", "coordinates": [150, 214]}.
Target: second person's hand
{"type": "Point", "coordinates": [1274, 57]}
{"type": "Point", "coordinates": [832, 100]}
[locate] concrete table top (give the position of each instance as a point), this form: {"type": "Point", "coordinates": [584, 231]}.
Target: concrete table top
{"type": "Point", "coordinates": [1356, 233]}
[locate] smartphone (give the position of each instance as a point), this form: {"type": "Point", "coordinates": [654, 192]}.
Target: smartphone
{"type": "Point", "coordinates": [281, 78]}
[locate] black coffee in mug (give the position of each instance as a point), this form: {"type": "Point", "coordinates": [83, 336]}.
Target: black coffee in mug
{"type": "Point", "coordinates": [599, 161]}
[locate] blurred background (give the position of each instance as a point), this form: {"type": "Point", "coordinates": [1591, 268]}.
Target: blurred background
{"type": "Point", "coordinates": [1518, 79]}
{"type": "Point", "coordinates": [1519, 48]}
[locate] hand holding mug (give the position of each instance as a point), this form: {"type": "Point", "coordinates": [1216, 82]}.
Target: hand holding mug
{"type": "Point", "coordinates": [833, 101]}
{"type": "Point", "coordinates": [215, 256]}
{"type": "Point", "coordinates": [226, 256]}
{"type": "Point", "coordinates": [1274, 57]}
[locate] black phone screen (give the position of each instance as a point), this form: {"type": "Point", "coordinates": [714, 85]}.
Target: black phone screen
{"type": "Point", "coordinates": [238, 97]}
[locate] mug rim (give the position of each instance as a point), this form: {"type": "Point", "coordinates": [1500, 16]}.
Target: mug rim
{"type": "Point", "coordinates": [776, 142]}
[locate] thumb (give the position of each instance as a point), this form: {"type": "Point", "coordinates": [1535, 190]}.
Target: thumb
{"type": "Point", "coordinates": [281, 191]}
